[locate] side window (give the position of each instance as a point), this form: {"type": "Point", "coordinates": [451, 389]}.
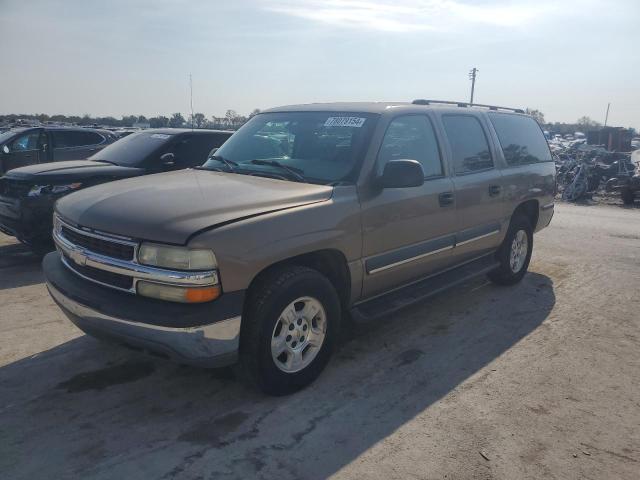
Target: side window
{"type": "Point", "coordinates": [469, 145]}
{"type": "Point", "coordinates": [73, 138]}
{"type": "Point", "coordinates": [91, 138]}
{"type": "Point", "coordinates": [521, 139]}
{"type": "Point", "coordinates": [411, 137]}
{"type": "Point", "coordinates": [65, 139]}
{"type": "Point", "coordinates": [29, 141]}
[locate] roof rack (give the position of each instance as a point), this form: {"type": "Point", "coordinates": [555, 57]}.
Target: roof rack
{"type": "Point", "coordinates": [465, 104]}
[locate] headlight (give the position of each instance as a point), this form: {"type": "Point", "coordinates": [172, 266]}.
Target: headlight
{"type": "Point", "coordinates": [38, 190]}
{"type": "Point", "coordinates": [176, 258]}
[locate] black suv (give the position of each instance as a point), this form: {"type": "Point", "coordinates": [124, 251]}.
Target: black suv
{"type": "Point", "coordinates": [27, 146]}
{"type": "Point", "coordinates": [27, 194]}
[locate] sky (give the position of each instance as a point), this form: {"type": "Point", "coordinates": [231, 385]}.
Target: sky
{"type": "Point", "coordinates": [115, 57]}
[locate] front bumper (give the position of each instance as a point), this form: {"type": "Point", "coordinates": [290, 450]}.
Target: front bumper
{"type": "Point", "coordinates": [206, 335]}
{"type": "Point", "coordinates": [27, 219]}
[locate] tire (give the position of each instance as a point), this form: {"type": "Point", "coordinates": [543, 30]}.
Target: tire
{"type": "Point", "coordinates": [627, 196]}
{"type": "Point", "coordinates": [277, 310]}
{"type": "Point", "coordinates": [511, 272]}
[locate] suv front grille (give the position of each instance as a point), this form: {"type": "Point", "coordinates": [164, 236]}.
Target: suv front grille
{"type": "Point", "coordinates": [98, 245]}
{"type": "Point", "coordinates": [108, 278]}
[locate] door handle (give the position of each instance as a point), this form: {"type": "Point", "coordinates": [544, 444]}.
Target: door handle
{"type": "Point", "coordinates": [445, 199]}
{"type": "Point", "coordinates": [494, 190]}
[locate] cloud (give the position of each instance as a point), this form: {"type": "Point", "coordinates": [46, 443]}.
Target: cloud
{"type": "Point", "coordinates": [410, 15]}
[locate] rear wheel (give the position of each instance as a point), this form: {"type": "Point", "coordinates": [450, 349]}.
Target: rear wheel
{"type": "Point", "coordinates": [627, 196]}
{"type": "Point", "coordinates": [290, 329]}
{"type": "Point", "coordinates": [515, 253]}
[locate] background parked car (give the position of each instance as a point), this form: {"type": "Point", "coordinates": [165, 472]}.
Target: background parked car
{"type": "Point", "coordinates": [28, 146]}
{"type": "Point", "coordinates": [27, 194]}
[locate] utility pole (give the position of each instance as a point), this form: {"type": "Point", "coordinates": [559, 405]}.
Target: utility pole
{"type": "Point", "coordinates": [191, 90]}
{"type": "Point", "coordinates": [606, 118]}
{"type": "Point", "coordinates": [472, 76]}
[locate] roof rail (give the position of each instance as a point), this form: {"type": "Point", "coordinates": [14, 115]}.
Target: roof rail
{"type": "Point", "coordinates": [465, 104]}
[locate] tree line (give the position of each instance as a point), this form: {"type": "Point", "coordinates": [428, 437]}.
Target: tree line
{"type": "Point", "coordinates": [231, 119]}
{"type": "Point", "coordinates": [584, 124]}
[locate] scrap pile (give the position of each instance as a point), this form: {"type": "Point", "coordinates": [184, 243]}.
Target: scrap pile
{"type": "Point", "coordinates": [583, 170]}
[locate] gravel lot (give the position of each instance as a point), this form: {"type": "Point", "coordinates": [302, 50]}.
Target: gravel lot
{"type": "Point", "coordinates": [541, 380]}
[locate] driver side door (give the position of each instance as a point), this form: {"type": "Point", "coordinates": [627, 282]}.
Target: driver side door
{"type": "Point", "coordinates": [27, 149]}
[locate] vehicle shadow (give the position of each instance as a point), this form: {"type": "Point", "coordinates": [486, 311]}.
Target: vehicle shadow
{"type": "Point", "coordinates": [19, 267]}
{"type": "Point", "coordinates": [89, 410]}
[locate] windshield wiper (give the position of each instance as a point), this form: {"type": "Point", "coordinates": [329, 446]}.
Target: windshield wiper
{"type": "Point", "coordinates": [295, 172]}
{"type": "Point", "coordinates": [106, 161]}
{"type": "Point", "coordinates": [229, 163]}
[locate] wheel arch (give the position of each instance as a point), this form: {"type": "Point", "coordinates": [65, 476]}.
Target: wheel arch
{"type": "Point", "coordinates": [531, 210]}
{"type": "Point", "coordinates": [331, 263]}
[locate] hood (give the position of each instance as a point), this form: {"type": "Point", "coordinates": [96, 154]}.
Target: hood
{"type": "Point", "coordinates": [71, 170]}
{"type": "Point", "coordinates": [170, 207]}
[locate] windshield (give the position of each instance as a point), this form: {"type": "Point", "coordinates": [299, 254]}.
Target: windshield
{"type": "Point", "coordinates": [4, 136]}
{"type": "Point", "coordinates": [315, 147]}
{"type": "Point", "coordinates": [132, 150]}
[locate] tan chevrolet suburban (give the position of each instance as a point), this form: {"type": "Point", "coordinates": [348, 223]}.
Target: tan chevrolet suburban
{"type": "Point", "coordinates": [308, 216]}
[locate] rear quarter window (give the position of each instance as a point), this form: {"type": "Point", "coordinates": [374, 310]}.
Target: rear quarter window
{"type": "Point", "coordinates": [521, 139]}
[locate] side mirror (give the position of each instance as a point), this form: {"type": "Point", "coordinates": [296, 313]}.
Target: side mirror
{"type": "Point", "coordinates": [5, 149]}
{"type": "Point", "coordinates": [212, 152]}
{"type": "Point", "coordinates": [402, 174]}
{"type": "Point", "coordinates": [168, 160]}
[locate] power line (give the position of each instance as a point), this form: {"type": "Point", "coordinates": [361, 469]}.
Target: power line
{"type": "Point", "coordinates": [191, 90]}
{"type": "Point", "coordinates": [472, 76]}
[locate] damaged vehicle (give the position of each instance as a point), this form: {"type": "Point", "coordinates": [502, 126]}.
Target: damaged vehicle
{"type": "Point", "coordinates": [32, 145]}
{"type": "Point", "coordinates": [307, 217]}
{"type": "Point", "coordinates": [27, 194]}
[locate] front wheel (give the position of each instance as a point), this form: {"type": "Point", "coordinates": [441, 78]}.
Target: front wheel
{"type": "Point", "coordinates": [515, 253]}
{"type": "Point", "coordinates": [290, 329]}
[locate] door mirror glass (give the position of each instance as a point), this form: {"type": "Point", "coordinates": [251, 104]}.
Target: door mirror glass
{"type": "Point", "coordinates": [402, 174]}
{"type": "Point", "coordinates": [168, 160]}
{"type": "Point", "coordinates": [5, 149]}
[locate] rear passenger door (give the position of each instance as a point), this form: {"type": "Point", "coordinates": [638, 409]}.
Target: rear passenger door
{"type": "Point", "coordinates": [75, 144]}
{"type": "Point", "coordinates": [407, 232]}
{"type": "Point", "coordinates": [478, 186]}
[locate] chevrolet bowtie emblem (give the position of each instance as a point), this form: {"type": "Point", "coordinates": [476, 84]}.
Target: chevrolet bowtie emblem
{"type": "Point", "coordinates": [78, 257]}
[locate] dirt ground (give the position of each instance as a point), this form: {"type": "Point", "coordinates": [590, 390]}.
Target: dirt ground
{"type": "Point", "coordinates": [540, 380]}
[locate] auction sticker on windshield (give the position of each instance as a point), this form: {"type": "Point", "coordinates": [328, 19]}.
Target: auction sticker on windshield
{"type": "Point", "coordinates": [344, 122]}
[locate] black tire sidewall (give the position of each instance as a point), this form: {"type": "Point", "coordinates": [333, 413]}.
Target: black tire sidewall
{"type": "Point", "coordinates": [267, 375]}
{"type": "Point", "coordinates": [504, 275]}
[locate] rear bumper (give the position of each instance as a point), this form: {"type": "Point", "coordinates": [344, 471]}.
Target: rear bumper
{"type": "Point", "coordinates": [545, 215]}
{"type": "Point", "coordinates": [205, 336]}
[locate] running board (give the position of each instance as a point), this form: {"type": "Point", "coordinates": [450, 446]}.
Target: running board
{"type": "Point", "coordinates": [391, 302]}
